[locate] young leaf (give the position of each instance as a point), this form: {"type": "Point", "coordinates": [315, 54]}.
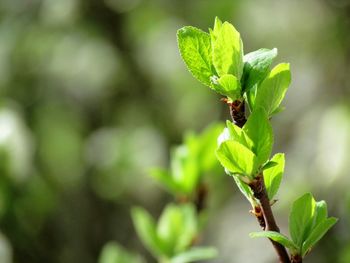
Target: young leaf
{"type": "Point", "coordinates": [300, 217]}
{"type": "Point", "coordinates": [146, 230]}
{"type": "Point", "coordinates": [259, 130]}
{"type": "Point", "coordinates": [195, 254]}
{"type": "Point", "coordinates": [321, 213]}
{"type": "Point", "coordinates": [227, 50]}
{"type": "Point", "coordinates": [188, 229]}
{"type": "Point", "coordinates": [269, 165]}
{"type": "Point", "coordinates": [204, 146]}
{"type": "Point", "coordinates": [244, 188]}
{"type": "Point", "coordinates": [256, 66]}
{"type": "Point", "coordinates": [236, 158]}
{"type": "Point", "coordinates": [229, 85]}
{"type": "Point", "coordinates": [317, 234]}
{"type": "Point", "coordinates": [275, 236]}
{"type": "Point", "coordinates": [224, 136]}
{"type": "Point", "coordinates": [176, 227]}
{"type": "Point", "coordinates": [184, 169]}
{"type": "Point", "coordinates": [273, 175]}
{"type": "Point", "coordinates": [273, 88]}
{"type": "Point", "coordinates": [250, 96]}
{"type": "Point", "coordinates": [112, 252]}
{"type": "Point", "coordinates": [237, 134]}
{"type": "Point", "coordinates": [195, 49]}
{"type": "Point", "coordinates": [217, 24]}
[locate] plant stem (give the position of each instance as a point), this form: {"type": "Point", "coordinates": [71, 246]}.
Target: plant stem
{"type": "Point", "coordinates": [260, 193]}
{"type": "Point", "coordinates": [237, 112]}
{"type": "Point", "coordinates": [201, 196]}
{"type": "Point", "coordinates": [296, 259]}
{"type": "Point", "coordinates": [259, 216]}
{"type": "Point", "coordinates": [263, 213]}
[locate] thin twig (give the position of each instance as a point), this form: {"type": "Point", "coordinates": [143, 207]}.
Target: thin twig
{"type": "Point", "coordinates": [201, 196]}
{"type": "Point", "coordinates": [260, 193]}
{"type": "Point", "coordinates": [263, 213]}
{"type": "Point", "coordinates": [237, 112]}
{"type": "Point", "coordinates": [297, 259]}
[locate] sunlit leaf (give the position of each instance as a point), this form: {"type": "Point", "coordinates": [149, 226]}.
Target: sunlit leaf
{"type": "Point", "coordinates": [273, 88]}
{"type": "Point", "coordinates": [300, 217]}
{"type": "Point", "coordinates": [317, 233]}
{"type": "Point", "coordinates": [275, 236]}
{"type": "Point", "coordinates": [237, 134]}
{"type": "Point", "coordinates": [228, 85]}
{"type": "Point", "coordinates": [236, 158]}
{"type": "Point", "coordinates": [273, 175]}
{"type": "Point", "coordinates": [256, 66]}
{"type": "Point", "coordinates": [227, 50]}
{"type": "Point", "coordinates": [195, 49]}
{"type": "Point", "coordinates": [259, 130]}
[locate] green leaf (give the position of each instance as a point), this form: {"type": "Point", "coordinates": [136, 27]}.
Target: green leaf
{"type": "Point", "coordinates": [321, 213]}
{"type": "Point", "coordinates": [250, 96]}
{"type": "Point", "coordinates": [195, 49]}
{"type": "Point", "coordinates": [259, 130]}
{"type": "Point", "coordinates": [112, 252]}
{"type": "Point", "coordinates": [203, 147]}
{"type": "Point", "coordinates": [184, 169]}
{"type": "Point", "coordinates": [227, 50]}
{"type": "Point", "coordinates": [237, 134]}
{"type": "Point", "coordinates": [228, 85]}
{"type": "Point", "coordinates": [236, 158]}
{"type": "Point", "coordinates": [244, 188]}
{"type": "Point", "coordinates": [275, 236]}
{"type": "Point", "coordinates": [217, 24]}
{"type": "Point", "coordinates": [177, 227]}
{"type": "Point", "coordinates": [188, 229]}
{"type": "Point", "coordinates": [317, 234]}
{"type": "Point", "coordinates": [273, 88]}
{"type": "Point", "coordinates": [195, 254]}
{"type": "Point", "coordinates": [256, 66]}
{"type": "Point", "coordinates": [273, 175]}
{"type": "Point", "coordinates": [269, 164]}
{"type": "Point", "coordinates": [300, 217]}
{"type": "Point", "coordinates": [146, 230]}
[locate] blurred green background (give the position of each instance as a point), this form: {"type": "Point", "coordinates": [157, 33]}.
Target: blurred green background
{"type": "Point", "coordinates": [93, 93]}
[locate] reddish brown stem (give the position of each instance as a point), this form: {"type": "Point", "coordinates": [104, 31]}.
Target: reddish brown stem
{"type": "Point", "coordinates": [259, 216]}
{"type": "Point", "coordinates": [237, 113]}
{"type": "Point", "coordinates": [296, 259]}
{"type": "Point", "coordinates": [263, 213]}
{"type": "Point", "coordinates": [200, 198]}
{"type": "Point", "coordinates": [259, 190]}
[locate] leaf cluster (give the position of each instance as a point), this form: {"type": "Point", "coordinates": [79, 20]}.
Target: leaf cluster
{"type": "Point", "coordinates": [308, 223]}
{"type": "Point", "coordinates": [171, 238]}
{"type": "Point", "coordinates": [217, 60]}
{"type": "Point", "coordinates": [189, 162]}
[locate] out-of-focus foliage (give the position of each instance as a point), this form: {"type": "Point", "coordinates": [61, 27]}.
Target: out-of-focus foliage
{"type": "Point", "coordinates": [172, 238]}
{"type": "Point", "coordinates": [112, 252]}
{"type": "Point", "coordinates": [190, 163]}
{"type": "Point", "coordinates": [94, 92]}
